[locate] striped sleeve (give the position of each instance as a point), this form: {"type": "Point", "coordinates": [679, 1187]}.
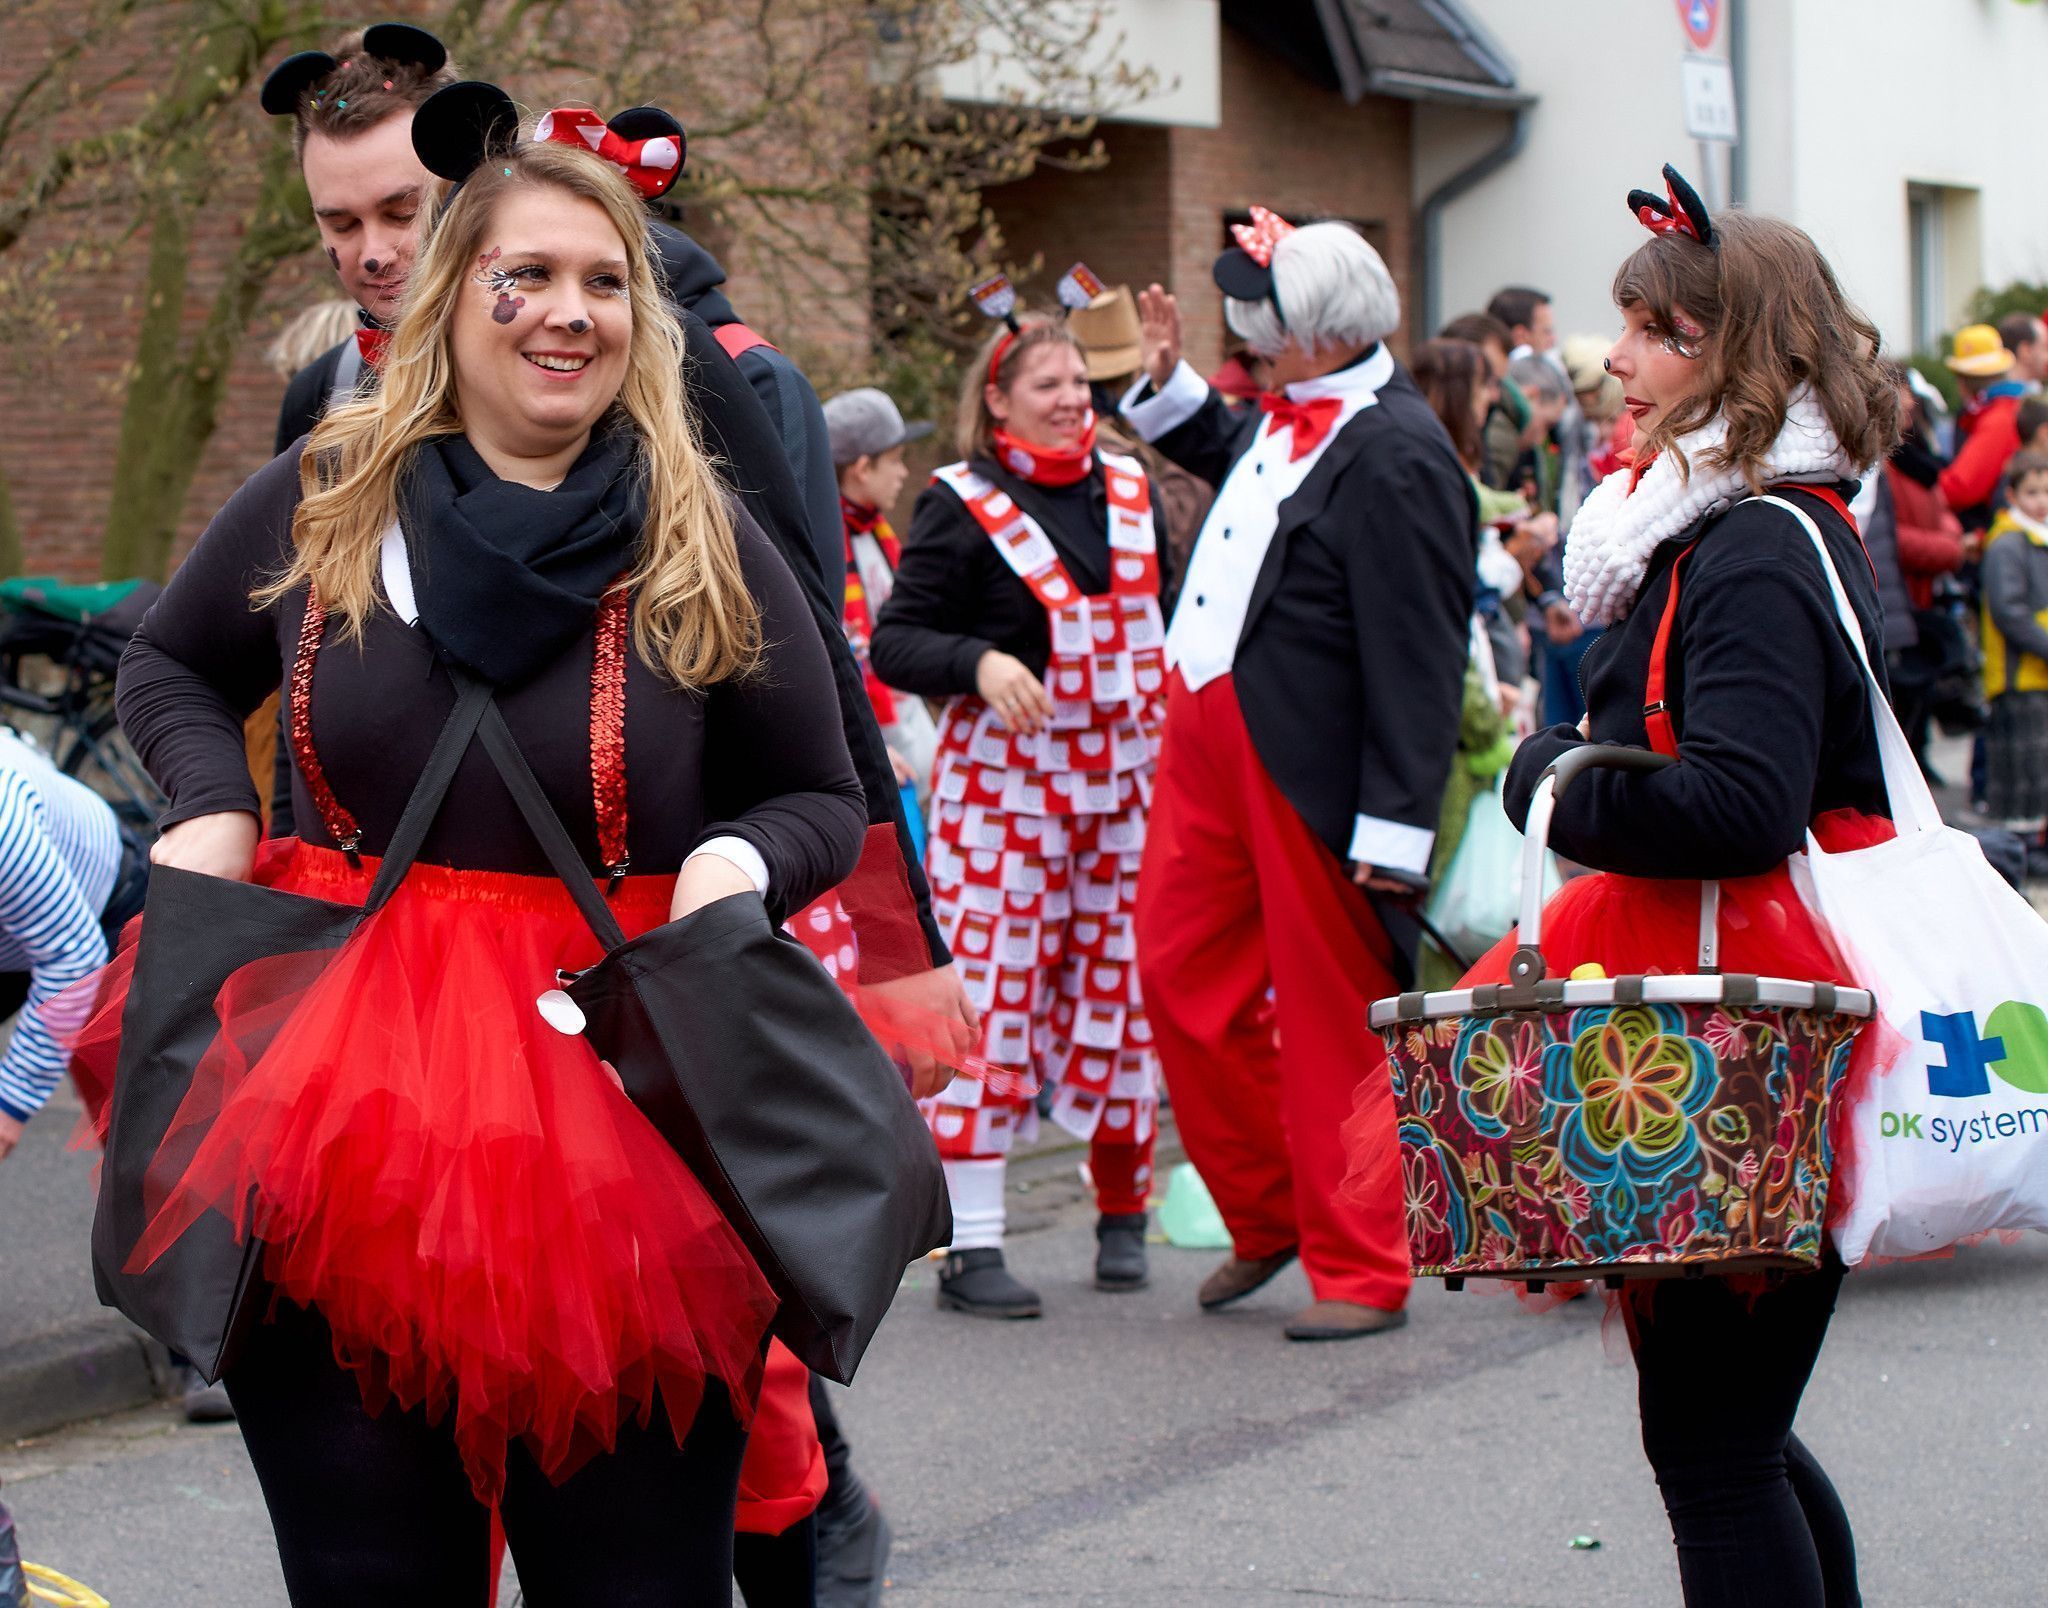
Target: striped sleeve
{"type": "Point", "coordinates": [47, 919]}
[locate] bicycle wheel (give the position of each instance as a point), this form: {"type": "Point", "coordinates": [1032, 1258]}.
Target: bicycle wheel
{"type": "Point", "coordinates": [96, 751]}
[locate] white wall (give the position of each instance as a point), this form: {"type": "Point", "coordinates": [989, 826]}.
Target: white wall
{"type": "Point", "coordinates": [1178, 41]}
{"type": "Point", "coordinates": [1848, 102]}
{"type": "Point", "coordinates": [1607, 117]}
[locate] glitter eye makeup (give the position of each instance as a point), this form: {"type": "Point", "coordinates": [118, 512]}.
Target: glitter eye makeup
{"type": "Point", "coordinates": [1685, 338]}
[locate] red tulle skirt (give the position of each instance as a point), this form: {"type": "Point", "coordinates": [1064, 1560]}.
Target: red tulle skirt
{"type": "Point", "coordinates": [1651, 926]}
{"type": "Point", "coordinates": [484, 1219]}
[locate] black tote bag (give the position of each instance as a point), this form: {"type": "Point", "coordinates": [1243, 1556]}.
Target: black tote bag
{"type": "Point", "coordinates": [753, 1064]}
{"type": "Point", "coordinates": [198, 931]}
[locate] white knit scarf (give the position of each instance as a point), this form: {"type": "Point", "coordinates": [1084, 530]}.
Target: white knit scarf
{"type": "Point", "coordinates": [1615, 531]}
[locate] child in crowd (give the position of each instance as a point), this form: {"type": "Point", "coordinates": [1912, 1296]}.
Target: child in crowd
{"type": "Point", "coordinates": [868, 436]}
{"type": "Point", "coordinates": [2014, 585]}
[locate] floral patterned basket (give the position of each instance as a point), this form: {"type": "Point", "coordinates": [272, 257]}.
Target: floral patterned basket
{"type": "Point", "coordinates": [1616, 1127]}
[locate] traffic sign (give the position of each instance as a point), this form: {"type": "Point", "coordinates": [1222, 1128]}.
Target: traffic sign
{"type": "Point", "coordinates": [1702, 18]}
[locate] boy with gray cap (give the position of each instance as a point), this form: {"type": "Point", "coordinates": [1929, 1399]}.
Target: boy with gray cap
{"type": "Point", "coordinates": [868, 436]}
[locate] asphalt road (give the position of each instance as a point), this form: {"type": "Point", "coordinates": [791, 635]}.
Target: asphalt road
{"type": "Point", "coordinates": [1129, 1450]}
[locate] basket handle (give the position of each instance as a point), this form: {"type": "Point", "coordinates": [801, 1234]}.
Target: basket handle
{"type": "Point", "coordinates": [1527, 965]}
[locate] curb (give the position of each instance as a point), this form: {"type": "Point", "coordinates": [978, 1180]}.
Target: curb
{"type": "Point", "coordinates": [103, 1365]}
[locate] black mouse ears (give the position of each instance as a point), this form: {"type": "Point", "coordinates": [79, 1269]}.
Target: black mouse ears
{"type": "Point", "coordinates": [1678, 211]}
{"type": "Point", "coordinates": [396, 42]}
{"type": "Point", "coordinates": [465, 125]}
{"type": "Point", "coordinates": [458, 128]}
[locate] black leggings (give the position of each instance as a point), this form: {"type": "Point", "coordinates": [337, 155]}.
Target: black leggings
{"type": "Point", "coordinates": [378, 1510]}
{"type": "Point", "coordinates": [1755, 1519]}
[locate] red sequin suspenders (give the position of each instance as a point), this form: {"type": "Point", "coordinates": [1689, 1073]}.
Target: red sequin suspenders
{"type": "Point", "coordinates": [607, 733]}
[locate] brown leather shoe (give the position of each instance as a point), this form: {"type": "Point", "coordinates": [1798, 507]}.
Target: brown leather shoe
{"type": "Point", "coordinates": [1341, 1320]}
{"type": "Point", "coordinates": [1237, 1278]}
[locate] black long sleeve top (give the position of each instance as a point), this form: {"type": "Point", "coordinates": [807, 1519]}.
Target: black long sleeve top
{"type": "Point", "coordinates": [749, 450]}
{"type": "Point", "coordinates": [1768, 699]}
{"type": "Point", "coordinates": [761, 757]}
{"type": "Point", "coordinates": [956, 598]}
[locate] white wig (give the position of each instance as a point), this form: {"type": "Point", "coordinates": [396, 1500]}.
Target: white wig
{"type": "Point", "coordinates": [1333, 290]}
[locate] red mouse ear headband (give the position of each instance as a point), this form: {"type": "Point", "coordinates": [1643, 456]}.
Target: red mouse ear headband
{"type": "Point", "coordinates": [1678, 211]}
{"type": "Point", "coordinates": [642, 142]}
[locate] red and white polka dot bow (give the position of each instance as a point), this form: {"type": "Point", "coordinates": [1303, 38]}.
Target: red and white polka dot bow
{"type": "Point", "coordinates": [650, 165]}
{"type": "Point", "coordinates": [1258, 238]}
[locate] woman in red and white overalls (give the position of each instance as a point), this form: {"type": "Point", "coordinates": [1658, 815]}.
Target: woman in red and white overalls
{"type": "Point", "coordinates": [1028, 597]}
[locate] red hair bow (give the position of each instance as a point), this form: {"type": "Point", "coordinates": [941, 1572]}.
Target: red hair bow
{"type": "Point", "coordinates": [1678, 211]}
{"type": "Point", "coordinates": [650, 165]}
{"type": "Point", "coordinates": [1258, 238]}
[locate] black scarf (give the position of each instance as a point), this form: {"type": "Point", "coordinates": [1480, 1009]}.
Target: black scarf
{"type": "Point", "coordinates": [508, 577]}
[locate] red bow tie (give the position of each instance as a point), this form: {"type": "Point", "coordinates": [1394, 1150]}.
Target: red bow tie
{"type": "Point", "coordinates": [370, 342]}
{"type": "Point", "coordinates": [1310, 421]}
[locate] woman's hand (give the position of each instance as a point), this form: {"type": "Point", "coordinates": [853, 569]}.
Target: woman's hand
{"type": "Point", "coordinates": [219, 845]}
{"type": "Point", "coordinates": [930, 1009]}
{"type": "Point", "coordinates": [906, 773]}
{"type": "Point", "coordinates": [706, 879]}
{"type": "Point", "coordinates": [1159, 334]}
{"type": "Point", "coordinates": [10, 1135]}
{"type": "Point", "coordinates": [1007, 685]}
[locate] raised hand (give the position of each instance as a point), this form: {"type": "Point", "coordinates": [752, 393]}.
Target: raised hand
{"type": "Point", "coordinates": [1159, 333]}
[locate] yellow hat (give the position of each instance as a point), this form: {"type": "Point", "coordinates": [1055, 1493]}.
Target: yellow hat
{"type": "Point", "coordinates": [1107, 329]}
{"type": "Point", "coordinates": [1979, 352]}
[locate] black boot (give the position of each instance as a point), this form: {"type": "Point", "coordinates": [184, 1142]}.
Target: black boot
{"type": "Point", "coordinates": [1120, 1252]}
{"type": "Point", "coordinates": [852, 1535]}
{"type": "Point", "coordinates": [977, 1282]}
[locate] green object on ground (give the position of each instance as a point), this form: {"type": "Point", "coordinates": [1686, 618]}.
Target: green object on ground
{"type": "Point", "coordinates": [1189, 1216]}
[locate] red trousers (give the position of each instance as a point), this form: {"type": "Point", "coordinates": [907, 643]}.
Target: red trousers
{"type": "Point", "coordinates": [1237, 895]}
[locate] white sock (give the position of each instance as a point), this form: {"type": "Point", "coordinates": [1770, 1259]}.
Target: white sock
{"type": "Point", "coordinates": [976, 1188]}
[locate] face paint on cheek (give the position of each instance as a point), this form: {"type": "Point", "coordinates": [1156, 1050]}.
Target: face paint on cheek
{"type": "Point", "coordinates": [334, 259]}
{"type": "Point", "coordinates": [507, 308]}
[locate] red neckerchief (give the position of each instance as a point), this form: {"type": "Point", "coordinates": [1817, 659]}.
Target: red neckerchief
{"type": "Point", "coordinates": [372, 341]}
{"type": "Point", "coordinates": [855, 613]}
{"type": "Point", "coordinates": [1048, 466]}
{"type": "Point", "coordinates": [1310, 421]}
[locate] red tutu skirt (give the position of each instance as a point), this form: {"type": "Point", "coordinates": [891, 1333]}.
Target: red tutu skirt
{"type": "Point", "coordinates": [1651, 926]}
{"type": "Point", "coordinates": [484, 1219]}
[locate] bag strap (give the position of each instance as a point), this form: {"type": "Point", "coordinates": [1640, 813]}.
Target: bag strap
{"type": "Point", "coordinates": [1907, 796]}
{"type": "Point", "coordinates": [1656, 710]}
{"type": "Point", "coordinates": [429, 792]}
{"type": "Point", "coordinates": [545, 824]}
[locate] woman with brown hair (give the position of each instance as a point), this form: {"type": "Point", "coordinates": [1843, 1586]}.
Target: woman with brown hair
{"type": "Point", "coordinates": [496, 1284]}
{"type": "Point", "coordinates": [1028, 598]}
{"type": "Point", "coordinates": [1749, 375]}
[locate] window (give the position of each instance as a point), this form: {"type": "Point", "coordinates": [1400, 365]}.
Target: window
{"type": "Point", "coordinates": [1943, 258]}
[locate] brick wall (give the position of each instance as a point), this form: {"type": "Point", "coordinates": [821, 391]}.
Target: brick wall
{"type": "Point", "coordinates": [63, 400]}
{"type": "Point", "coordinates": [1157, 210]}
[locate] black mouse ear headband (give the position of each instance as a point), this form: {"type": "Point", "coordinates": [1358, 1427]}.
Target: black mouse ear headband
{"type": "Point", "coordinates": [460, 128]}
{"type": "Point", "coordinates": [398, 43]}
{"type": "Point", "coordinates": [1678, 211]}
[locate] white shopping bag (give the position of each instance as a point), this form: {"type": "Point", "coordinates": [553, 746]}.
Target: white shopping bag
{"type": "Point", "coordinates": [1480, 896]}
{"type": "Point", "coordinates": [1951, 1137]}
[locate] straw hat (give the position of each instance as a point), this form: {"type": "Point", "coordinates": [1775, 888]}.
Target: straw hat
{"type": "Point", "coordinates": [1107, 329]}
{"type": "Point", "coordinates": [1599, 392]}
{"type": "Point", "coordinates": [1979, 352]}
